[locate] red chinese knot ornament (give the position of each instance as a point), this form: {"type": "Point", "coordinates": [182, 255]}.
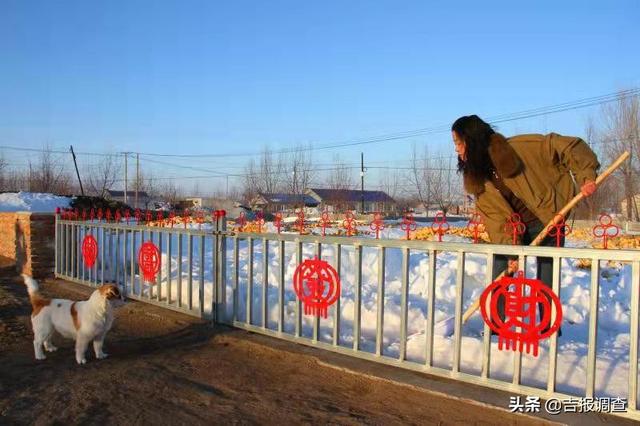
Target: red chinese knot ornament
{"type": "Point", "coordinates": [317, 285]}
{"type": "Point", "coordinates": [606, 229]}
{"type": "Point", "coordinates": [474, 226]}
{"type": "Point", "coordinates": [559, 229]}
{"type": "Point", "coordinates": [440, 225]}
{"type": "Point", "coordinates": [514, 227]}
{"type": "Point", "coordinates": [408, 224]}
{"type": "Point", "coordinates": [149, 261]}
{"type": "Point", "coordinates": [518, 329]}
{"type": "Point", "coordinates": [377, 224]}
{"type": "Point", "coordinates": [277, 221]}
{"type": "Point", "coordinates": [349, 224]}
{"type": "Point", "coordinates": [89, 251]}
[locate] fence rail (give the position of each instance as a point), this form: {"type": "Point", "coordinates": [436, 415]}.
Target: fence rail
{"type": "Point", "coordinates": [388, 312]}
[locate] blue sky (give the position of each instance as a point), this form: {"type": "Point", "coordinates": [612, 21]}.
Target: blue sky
{"type": "Point", "coordinates": [208, 77]}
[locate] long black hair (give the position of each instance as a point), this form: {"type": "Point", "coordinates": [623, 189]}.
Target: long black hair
{"type": "Point", "coordinates": [476, 134]}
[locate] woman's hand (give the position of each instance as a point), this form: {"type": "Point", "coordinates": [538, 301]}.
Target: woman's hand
{"type": "Point", "coordinates": [588, 188]}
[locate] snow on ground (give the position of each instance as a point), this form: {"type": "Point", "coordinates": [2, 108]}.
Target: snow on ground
{"type": "Point", "coordinates": [32, 202]}
{"type": "Point", "coordinates": [612, 365]}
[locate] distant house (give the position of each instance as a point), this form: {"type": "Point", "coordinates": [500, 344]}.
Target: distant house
{"type": "Point", "coordinates": [143, 198]}
{"type": "Point", "coordinates": [281, 202]}
{"type": "Point", "coordinates": [352, 199]}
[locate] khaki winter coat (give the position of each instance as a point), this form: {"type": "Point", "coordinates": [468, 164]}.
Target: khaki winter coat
{"type": "Point", "coordinates": [536, 168]}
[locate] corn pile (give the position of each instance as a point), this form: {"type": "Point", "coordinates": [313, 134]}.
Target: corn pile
{"type": "Point", "coordinates": [427, 234]}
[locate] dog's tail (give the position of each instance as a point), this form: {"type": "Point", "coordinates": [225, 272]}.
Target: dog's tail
{"type": "Point", "coordinates": [37, 301]}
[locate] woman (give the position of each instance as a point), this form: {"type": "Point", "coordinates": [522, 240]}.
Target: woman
{"type": "Point", "coordinates": [526, 174]}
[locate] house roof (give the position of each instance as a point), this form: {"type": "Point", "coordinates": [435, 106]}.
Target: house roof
{"type": "Point", "coordinates": [351, 195]}
{"type": "Point", "coordinates": [129, 193]}
{"type": "Point", "coordinates": [281, 198]}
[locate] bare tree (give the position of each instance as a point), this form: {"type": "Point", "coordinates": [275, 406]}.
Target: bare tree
{"type": "Point", "coordinates": [263, 175]}
{"type": "Point", "coordinates": [299, 164]}
{"type": "Point", "coordinates": [103, 175]}
{"type": "Point", "coordinates": [340, 176]}
{"type": "Point", "coordinates": [621, 133]}
{"type": "Point", "coordinates": [390, 183]}
{"type": "Point", "coordinates": [3, 167]}
{"type": "Point", "coordinates": [48, 174]}
{"type": "Point", "coordinates": [418, 177]}
{"type": "Point", "coordinates": [442, 185]}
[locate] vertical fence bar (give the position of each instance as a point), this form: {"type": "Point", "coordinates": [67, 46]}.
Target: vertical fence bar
{"type": "Point", "coordinates": [73, 251]}
{"type": "Point", "coordinates": [357, 299]}
{"type": "Point", "coordinates": [486, 338]}
{"type": "Point", "coordinates": [133, 264]}
{"type": "Point", "coordinates": [337, 309]}
{"type": "Point", "coordinates": [236, 278]}
{"type": "Point", "coordinates": [201, 281]}
{"type": "Point", "coordinates": [298, 330]}
{"type": "Point", "coordinates": [169, 289]}
{"type": "Point", "coordinates": [65, 242]}
{"type": "Point", "coordinates": [281, 288]}
{"type": "Point", "coordinates": [82, 232]}
{"type": "Point", "coordinates": [179, 289]}
{"type": "Point", "coordinates": [159, 277]}
{"type": "Point", "coordinates": [553, 339]}
{"type": "Point", "coordinates": [633, 345]}
{"type": "Point", "coordinates": [56, 240]}
{"type": "Point", "coordinates": [190, 269]}
{"type": "Point", "coordinates": [125, 236]}
{"type": "Point", "coordinates": [457, 332]}
{"type": "Point", "coordinates": [265, 281]}
{"type": "Point", "coordinates": [404, 300]}
{"type": "Point", "coordinates": [151, 285]}
{"type": "Point", "coordinates": [431, 306]}
{"type": "Point", "coordinates": [593, 329]}
{"type": "Point", "coordinates": [316, 320]}
{"type": "Point", "coordinates": [249, 301]}
{"type": "Point", "coordinates": [103, 247]}
{"type": "Point", "coordinates": [380, 301]}
{"type": "Point", "coordinates": [116, 262]}
{"type": "Point", "coordinates": [517, 356]}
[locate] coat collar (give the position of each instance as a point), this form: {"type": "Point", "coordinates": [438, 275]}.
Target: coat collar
{"type": "Point", "coordinates": [505, 161]}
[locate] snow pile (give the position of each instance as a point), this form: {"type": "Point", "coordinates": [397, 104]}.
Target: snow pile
{"type": "Point", "coordinates": [32, 202]}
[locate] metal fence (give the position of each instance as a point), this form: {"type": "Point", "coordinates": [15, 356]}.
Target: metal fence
{"type": "Point", "coordinates": [244, 280]}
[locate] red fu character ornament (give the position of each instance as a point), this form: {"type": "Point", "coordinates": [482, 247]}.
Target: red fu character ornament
{"type": "Point", "coordinates": [186, 218]}
{"type": "Point", "coordinates": [149, 261]}
{"type": "Point", "coordinates": [89, 251]}
{"type": "Point", "coordinates": [377, 224]}
{"type": "Point", "coordinates": [559, 229]}
{"type": "Point", "coordinates": [317, 285]}
{"type": "Point", "coordinates": [440, 226]}
{"type": "Point", "coordinates": [408, 224]}
{"type": "Point", "coordinates": [118, 217]}
{"type": "Point", "coordinates": [521, 296]}
{"type": "Point", "coordinates": [277, 221]}
{"type": "Point", "coordinates": [260, 221]}
{"type": "Point", "coordinates": [127, 215]}
{"type": "Point", "coordinates": [300, 221]}
{"type": "Point", "coordinates": [606, 229]}
{"type": "Point", "coordinates": [474, 226]}
{"type": "Point", "coordinates": [514, 227]}
{"type": "Point", "coordinates": [324, 222]}
{"type": "Point", "coordinates": [172, 218]}
{"type": "Point", "coordinates": [349, 224]}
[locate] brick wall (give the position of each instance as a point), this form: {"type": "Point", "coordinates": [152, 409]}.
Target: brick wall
{"type": "Point", "coordinates": [28, 239]}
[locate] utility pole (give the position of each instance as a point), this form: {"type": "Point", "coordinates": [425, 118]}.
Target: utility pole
{"type": "Point", "coordinates": [227, 186]}
{"type": "Point", "coordinates": [362, 182]}
{"type": "Point", "coordinates": [137, 177]}
{"type": "Point", "coordinates": [126, 154]}
{"type": "Point", "coordinates": [73, 154]}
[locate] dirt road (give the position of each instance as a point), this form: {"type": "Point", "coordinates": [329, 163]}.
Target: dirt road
{"type": "Point", "coordinates": [165, 368]}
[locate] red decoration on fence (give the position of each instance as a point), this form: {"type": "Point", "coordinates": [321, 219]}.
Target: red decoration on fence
{"type": "Point", "coordinates": [377, 224]}
{"type": "Point", "coordinates": [559, 230]}
{"type": "Point", "coordinates": [602, 230]}
{"type": "Point", "coordinates": [172, 218]}
{"type": "Point", "coordinates": [57, 210]}
{"type": "Point", "coordinates": [260, 221]}
{"type": "Point", "coordinates": [325, 222]}
{"type": "Point", "coordinates": [76, 213]}
{"type": "Point", "coordinates": [300, 221]}
{"type": "Point", "coordinates": [149, 261]}
{"type": "Point", "coordinates": [160, 218]}
{"type": "Point", "coordinates": [108, 215]}
{"type": "Point", "coordinates": [118, 216]}
{"type": "Point", "coordinates": [200, 218]}
{"type": "Point", "coordinates": [186, 218]}
{"type": "Point", "coordinates": [242, 221]}
{"type": "Point", "coordinates": [127, 215]}
{"type": "Point", "coordinates": [514, 227]}
{"type": "Point", "coordinates": [138, 216]}
{"type": "Point", "coordinates": [521, 297]}
{"type": "Point", "coordinates": [440, 225]}
{"type": "Point", "coordinates": [474, 226]}
{"type": "Point", "coordinates": [317, 285]}
{"type": "Point", "coordinates": [408, 224]}
{"type": "Point", "coordinates": [100, 214]}
{"type": "Point", "coordinates": [277, 221]}
{"type": "Point", "coordinates": [84, 214]}
{"type": "Point", "coordinates": [349, 224]}
{"type": "Point", "coordinates": [92, 214]}
{"type": "Point", "coordinates": [89, 251]}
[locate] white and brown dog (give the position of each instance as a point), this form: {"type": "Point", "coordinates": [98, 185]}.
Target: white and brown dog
{"type": "Point", "coordinates": [85, 321]}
